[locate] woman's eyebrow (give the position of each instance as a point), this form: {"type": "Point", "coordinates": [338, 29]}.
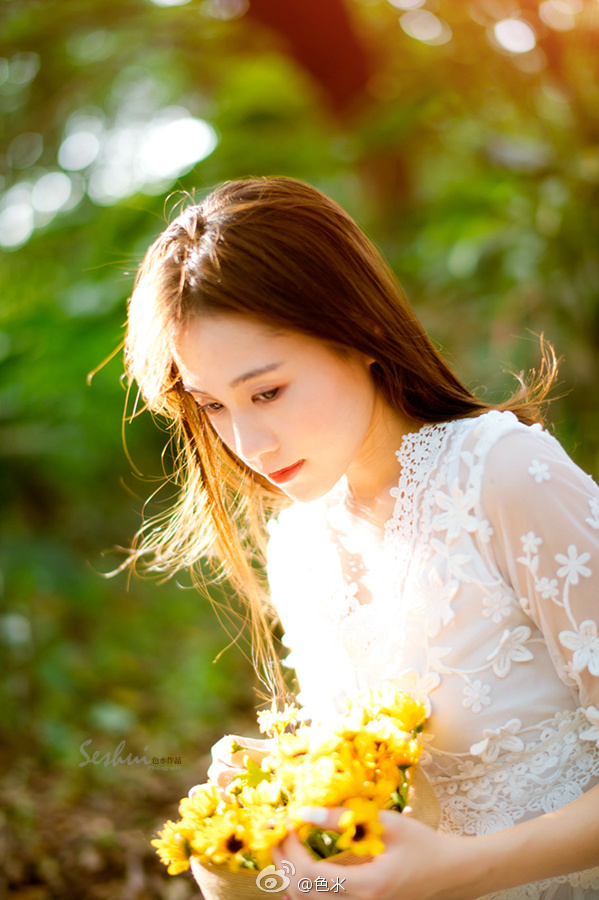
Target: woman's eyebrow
{"type": "Point", "coordinates": [254, 372]}
{"type": "Point", "coordinates": [240, 378]}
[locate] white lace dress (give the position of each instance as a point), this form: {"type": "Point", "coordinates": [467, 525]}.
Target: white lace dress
{"type": "Point", "coordinates": [485, 598]}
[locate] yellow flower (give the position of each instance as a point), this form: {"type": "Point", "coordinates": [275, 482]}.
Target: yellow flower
{"type": "Point", "coordinates": [288, 756]}
{"type": "Point", "coordinates": [363, 763]}
{"type": "Point", "coordinates": [366, 749]}
{"type": "Point", "coordinates": [268, 827]}
{"type": "Point", "coordinates": [225, 840]}
{"type": "Point", "coordinates": [360, 828]}
{"type": "Point", "coordinates": [173, 846]}
{"type": "Point", "coordinates": [271, 722]}
{"type": "Point", "coordinates": [353, 721]}
{"type": "Point", "coordinates": [403, 749]}
{"type": "Point", "coordinates": [387, 700]}
{"type": "Point", "coordinates": [265, 793]}
{"type": "Point", "coordinates": [381, 789]}
{"type": "Point", "coordinates": [329, 780]}
{"type": "Point", "coordinates": [200, 805]}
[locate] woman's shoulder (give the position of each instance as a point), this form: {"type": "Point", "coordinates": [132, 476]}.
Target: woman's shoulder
{"type": "Point", "coordinates": [496, 454]}
{"type": "Point", "coordinates": [485, 430]}
{"type": "Point", "coordinates": [517, 461]}
{"type": "Point", "coordinates": [499, 437]}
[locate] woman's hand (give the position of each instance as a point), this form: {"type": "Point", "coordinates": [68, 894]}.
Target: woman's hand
{"type": "Point", "coordinates": [422, 864]}
{"type": "Point", "coordinates": [418, 863]}
{"type": "Point", "coordinates": [228, 757]}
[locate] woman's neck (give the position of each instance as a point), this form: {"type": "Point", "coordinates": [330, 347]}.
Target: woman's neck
{"type": "Point", "coordinates": [376, 470]}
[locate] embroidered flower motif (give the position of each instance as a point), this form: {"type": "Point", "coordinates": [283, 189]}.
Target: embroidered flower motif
{"type": "Point", "coordinates": [436, 655]}
{"type": "Point", "coordinates": [547, 588]}
{"type": "Point", "coordinates": [438, 595]}
{"type": "Point", "coordinates": [572, 565]}
{"type": "Point", "coordinates": [511, 649]}
{"type": "Point", "coordinates": [497, 606]}
{"type": "Point", "coordinates": [585, 644]}
{"type": "Point", "coordinates": [494, 741]}
{"type": "Point", "coordinates": [485, 531]}
{"type": "Point", "coordinates": [570, 675]}
{"type": "Point", "coordinates": [592, 733]}
{"type": "Point", "coordinates": [594, 521]}
{"type": "Point", "coordinates": [476, 695]}
{"type": "Point", "coordinates": [526, 606]}
{"type": "Point", "coordinates": [457, 516]}
{"type": "Point", "coordinates": [539, 471]}
{"type": "Point", "coordinates": [531, 543]}
{"type": "Point", "coordinates": [456, 562]}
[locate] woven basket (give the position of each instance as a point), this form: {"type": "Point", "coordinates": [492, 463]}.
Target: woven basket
{"type": "Point", "coordinates": [218, 883]}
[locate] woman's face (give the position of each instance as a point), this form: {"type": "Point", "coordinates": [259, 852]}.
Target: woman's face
{"type": "Point", "coordinates": [293, 409]}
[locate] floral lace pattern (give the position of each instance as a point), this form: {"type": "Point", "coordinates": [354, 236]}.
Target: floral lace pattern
{"type": "Point", "coordinates": [486, 597]}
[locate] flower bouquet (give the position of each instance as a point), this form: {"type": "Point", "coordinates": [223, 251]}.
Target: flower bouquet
{"type": "Point", "coordinates": [364, 762]}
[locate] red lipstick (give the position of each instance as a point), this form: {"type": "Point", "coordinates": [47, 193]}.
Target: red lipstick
{"type": "Point", "coordinates": [284, 475]}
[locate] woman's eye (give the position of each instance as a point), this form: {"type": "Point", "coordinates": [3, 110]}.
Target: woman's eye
{"type": "Point", "coordinates": [267, 395]}
{"type": "Point", "coordinates": [211, 407]}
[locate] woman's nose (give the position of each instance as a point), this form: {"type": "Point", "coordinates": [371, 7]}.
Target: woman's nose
{"type": "Point", "coordinates": [253, 441]}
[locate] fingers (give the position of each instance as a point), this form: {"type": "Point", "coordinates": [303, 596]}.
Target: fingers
{"type": "Point", "coordinates": [230, 754]}
{"type": "Point", "coordinates": [222, 775]}
{"type": "Point", "coordinates": [195, 789]}
{"type": "Point", "coordinates": [223, 751]}
{"type": "Point", "coordinates": [308, 873]}
{"type": "Point", "coordinates": [320, 815]}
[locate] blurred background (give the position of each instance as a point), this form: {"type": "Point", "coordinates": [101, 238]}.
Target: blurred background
{"type": "Point", "coordinates": [463, 135]}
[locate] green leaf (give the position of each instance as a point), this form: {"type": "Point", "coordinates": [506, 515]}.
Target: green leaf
{"type": "Point", "coordinates": [252, 776]}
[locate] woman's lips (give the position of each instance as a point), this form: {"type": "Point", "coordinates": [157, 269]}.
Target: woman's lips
{"type": "Point", "coordinates": [283, 475]}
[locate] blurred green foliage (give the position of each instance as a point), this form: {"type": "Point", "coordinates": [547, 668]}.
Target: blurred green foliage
{"type": "Point", "coordinates": [475, 168]}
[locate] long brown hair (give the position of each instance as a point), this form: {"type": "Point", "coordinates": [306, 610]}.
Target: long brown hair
{"type": "Point", "coordinates": [281, 252]}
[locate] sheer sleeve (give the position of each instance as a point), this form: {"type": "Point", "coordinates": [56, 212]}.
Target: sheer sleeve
{"type": "Point", "coordinates": [544, 512]}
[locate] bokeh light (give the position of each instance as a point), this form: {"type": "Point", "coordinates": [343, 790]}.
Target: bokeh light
{"type": "Point", "coordinates": [51, 192]}
{"type": "Point", "coordinates": [25, 149]}
{"type": "Point", "coordinates": [148, 156]}
{"type": "Point", "coordinates": [91, 47]}
{"type": "Point", "coordinates": [78, 150]}
{"type": "Point", "coordinates": [16, 216]}
{"type": "Point", "coordinates": [170, 2]}
{"type": "Point", "coordinates": [225, 10]}
{"type": "Point", "coordinates": [23, 67]}
{"type": "Point", "coordinates": [558, 14]}
{"type": "Point", "coordinates": [407, 4]}
{"type": "Point", "coordinates": [426, 27]}
{"type": "Point", "coordinates": [515, 35]}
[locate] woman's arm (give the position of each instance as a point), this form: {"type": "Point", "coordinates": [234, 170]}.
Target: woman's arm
{"type": "Point", "coordinates": [557, 843]}
{"type": "Point", "coordinates": [421, 864]}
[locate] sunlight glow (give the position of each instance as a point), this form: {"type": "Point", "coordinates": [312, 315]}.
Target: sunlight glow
{"type": "Point", "coordinates": [148, 156]}
{"type": "Point", "coordinates": [173, 143]}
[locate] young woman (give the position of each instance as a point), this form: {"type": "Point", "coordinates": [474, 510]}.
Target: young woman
{"type": "Point", "coordinates": [428, 537]}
